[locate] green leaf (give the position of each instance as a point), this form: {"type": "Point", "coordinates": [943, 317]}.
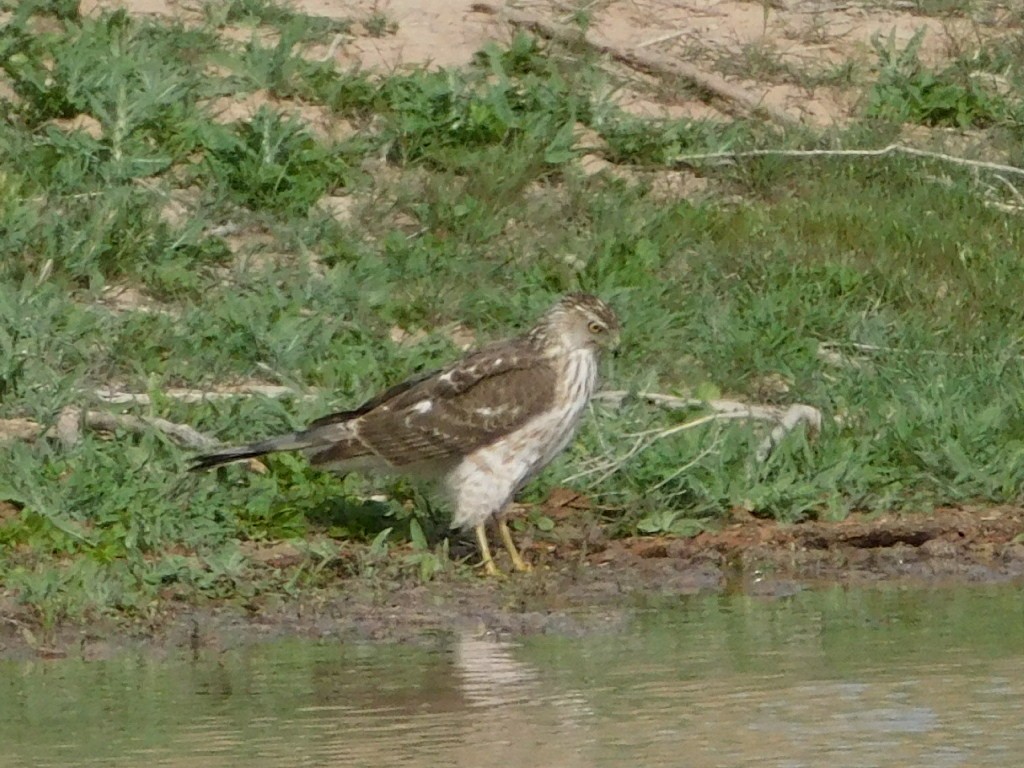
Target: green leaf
{"type": "Point", "coordinates": [419, 540]}
{"type": "Point", "coordinates": [560, 150]}
{"type": "Point", "coordinates": [544, 523]}
{"type": "Point", "coordinates": [379, 545]}
{"type": "Point", "coordinates": [686, 528]}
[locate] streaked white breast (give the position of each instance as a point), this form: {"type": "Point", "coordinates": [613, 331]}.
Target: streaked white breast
{"type": "Point", "coordinates": [486, 480]}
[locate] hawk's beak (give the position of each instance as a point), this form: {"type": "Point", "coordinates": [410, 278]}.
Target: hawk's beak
{"type": "Point", "coordinates": [616, 340]}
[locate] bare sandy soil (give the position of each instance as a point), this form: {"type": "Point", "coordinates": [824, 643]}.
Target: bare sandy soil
{"type": "Point", "coordinates": [725, 36]}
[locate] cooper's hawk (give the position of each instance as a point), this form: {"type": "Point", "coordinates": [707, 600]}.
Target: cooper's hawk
{"type": "Point", "coordinates": [484, 426]}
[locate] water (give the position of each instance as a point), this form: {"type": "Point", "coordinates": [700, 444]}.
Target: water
{"type": "Point", "coordinates": [835, 678]}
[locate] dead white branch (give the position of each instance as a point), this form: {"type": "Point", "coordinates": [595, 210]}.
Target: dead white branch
{"type": "Point", "coordinates": [1004, 207]}
{"type": "Point", "coordinates": [672, 402]}
{"type": "Point", "coordinates": [664, 38]}
{"type": "Point", "coordinates": [892, 149]}
{"type": "Point", "coordinates": [828, 349]}
{"type": "Point", "coordinates": [830, 354]}
{"type": "Point", "coordinates": [72, 421]}
{"type": "Point", "coordinates": [117, 397]}
{"type": "Point", "coordinates": [12, 430]}
{"type": "Point", "coordinates": [786, 420]}
{"type": "Point", "coordinates": [1017, 194]}
{"type": "Point", "coordinates": [336, 43]}
{"type": "Point", "coordinates": [794, 416]}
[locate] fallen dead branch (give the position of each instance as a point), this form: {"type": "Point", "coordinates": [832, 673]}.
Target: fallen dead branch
{"type": "Point", "coordinates": [831, 353]}
{"type": "Point", "coordinates": [892, 149]}
{"type": "Point", "coordinates": [1016, 193]}
{"type": "Point", "coordinates": [735, 98]}
{"type": "Point", "coordinates": [991, 192]}
{"type": "Point", "coordinates": [786, 420]}
{"type": "Point", "coordinates": [794, 416]}
{"type": "Point", "coordinates": [72, 421]}
{"type": "Point", "coordinates": [116, 397]}
{"type": "Point", "coordinates": [18, 429]}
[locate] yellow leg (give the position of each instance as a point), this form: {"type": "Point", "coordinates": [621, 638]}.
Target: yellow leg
{"type": "Point", "coordinates": [506, 536]}
{"type": "Point", "coordinates": [485, 551]}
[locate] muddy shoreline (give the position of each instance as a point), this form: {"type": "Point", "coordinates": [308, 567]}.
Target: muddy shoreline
{"type": "Point", "coordinates": [583, 583]}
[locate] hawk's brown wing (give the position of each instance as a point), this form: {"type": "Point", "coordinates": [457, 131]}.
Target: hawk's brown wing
{"type": "Point", "coordinates": [447, 414]}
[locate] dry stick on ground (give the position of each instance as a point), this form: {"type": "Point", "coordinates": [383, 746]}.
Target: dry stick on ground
{"type": "Point", "coordinates": [644, 440]}
{"type": "Point", "coordinates": [786, 420]}
{"type": "Point", "coordinates": [732, 95]}
{"type": "Point", "coordinates": [18, 429]}
{"type": "Point", "coordinates": [1017, 207]}
{"type": "Point", "coordinates": [1017, 194]}
{"type": "Point", "coordinates": [116, 397]}
{"type": "Point", "coordinates": [72, 420]}
{"type": "Point", "coordinates": [663, 38]}
{"type": "Point", "coordinates": [892, 149]}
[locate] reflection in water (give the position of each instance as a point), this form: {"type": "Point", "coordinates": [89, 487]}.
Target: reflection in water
{"type": "Point", "coordinates": [831, 678]}
{"type": "Point", "coordinates": [513, 718]}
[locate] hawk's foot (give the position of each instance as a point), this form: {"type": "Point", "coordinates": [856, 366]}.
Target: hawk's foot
{"type": "Point", "coordinates": [487, 561]}
{"type": "Point", "coordinates": [510, 546]}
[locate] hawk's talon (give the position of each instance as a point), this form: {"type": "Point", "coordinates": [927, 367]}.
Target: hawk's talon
{"type": "Point", "coordinates": [490, 569]}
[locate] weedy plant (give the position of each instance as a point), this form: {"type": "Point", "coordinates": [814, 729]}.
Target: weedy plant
{"type": "Point", "coordinates": [151, 241]}
{"type": "Point", "coordinates": [978, 91]}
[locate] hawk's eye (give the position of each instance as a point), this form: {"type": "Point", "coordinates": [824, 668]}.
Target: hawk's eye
{"type": "Point", "coordinates": [595, 327]}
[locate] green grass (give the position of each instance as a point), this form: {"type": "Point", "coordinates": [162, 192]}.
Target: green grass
{"type": "Point", "coordinates": [470, 207]}
{"type": "Point", "coordinates": [979, 89]}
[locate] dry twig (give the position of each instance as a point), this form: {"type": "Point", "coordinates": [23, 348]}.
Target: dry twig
{"type": "Point", "coordinates": [786, 420]}
{"type": "Point", "coordinates": [685, 467]}
{"type": "Point", "coordinates": [336, 43]}
{"type": "Point", "coordinates": [73, 420]}
{"type": "Point", "coordinates": [892, 149]}
{"type": "Point", "coordinates": [663, 38]}
{"type": "Point", "coordinates": [18, 429]}
{"type": "Point", "coordinates": [116, 397]}
{"type": "Point", "coordinates": [794, 416]}
{"type": "Point", "coordinates": [830, 353]}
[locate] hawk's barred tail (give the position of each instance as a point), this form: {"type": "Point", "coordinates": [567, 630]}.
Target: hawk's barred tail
{"type": "Point", "coordinates": [291, 442]}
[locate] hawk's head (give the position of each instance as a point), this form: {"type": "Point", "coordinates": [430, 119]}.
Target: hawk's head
{"type": "Point", "coordinates": [580, 321]}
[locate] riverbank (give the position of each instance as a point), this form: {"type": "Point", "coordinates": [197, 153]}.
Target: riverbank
{"type": "Point", "coordinates": [586, 583]}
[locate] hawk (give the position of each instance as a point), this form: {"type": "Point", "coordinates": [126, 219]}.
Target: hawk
{"type": "Point", "coordinates": [484, 426]}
